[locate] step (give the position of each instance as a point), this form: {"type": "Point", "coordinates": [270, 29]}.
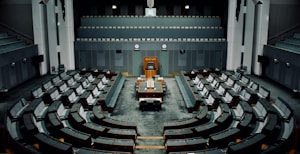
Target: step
{"type": "Point", "coordinates": [150, 142]}
{"type": "Point", "coordinates": [150, 137]}
{"type": "Point", "coordinates": [149, 147]}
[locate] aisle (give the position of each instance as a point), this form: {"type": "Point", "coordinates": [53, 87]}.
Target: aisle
{"type": "Point", "coordinates": [150, 123]}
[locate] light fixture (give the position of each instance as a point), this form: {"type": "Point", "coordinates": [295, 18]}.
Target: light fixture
{"type": "Point", "coordinates": [24, 60]}
{"type": "Point", "coordinates": [136, 47]}
{"type": "Point", "coordinates": [12, 64]}
{"type": "Point", "coordinates": [288, 65]}
{"type": "Point", "coordinates": [114, 7]}
{"type": "Point", "coordinates": [182, 51]}
{"type": "Point", "coordinates": [163, 47]}
{"type": "Point", "coordinates": [186, 7]}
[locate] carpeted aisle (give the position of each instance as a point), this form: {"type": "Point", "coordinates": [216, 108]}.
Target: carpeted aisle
{"type": "Point", "coordinates": [150, 123]}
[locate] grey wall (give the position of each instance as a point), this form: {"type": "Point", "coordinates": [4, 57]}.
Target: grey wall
{"type": "Point", "coordinates": [24, 68]}
{"type": "Point", "coordinates": [17, 14]}
{"type": "Point", "coordinates": [103, 55]}
{"type": "Point", "coordinates": [276, 68]}
{"type": "Point", "coordinates": [284, 14]}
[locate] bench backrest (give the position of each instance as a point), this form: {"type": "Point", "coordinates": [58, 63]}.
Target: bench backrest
{"type": "Point", "coordinates": [77, 76]}
{"type": "Point", "coordinates": [54, 94]}
{"type": "Point", "coordinates": [79, 89]}
{"type": "Point", "coordinates": [237, 87]}
{"type": "Point", "coordinates": [70, 81]}
{"type": "Point", "coordinates": [38, 111]}
{"type": "Point", "coordinates": [261, 109]}
{"type": "Point", "coordinates": [229, 82]}
{"type": "Point", "coordinates": [90, 98]}
{"type": "Point", "coordinates": [210, 78]}
{"type": "Point", "coordinates": [284, 107]}
{"type": "Point", "coordinates": [221, 89]}
{"type": "Point", "coordinates": [95, 91]}
{"type": "Point", "coordinates": [47, 85]}
{"type": "Point", "coordinates": [37, 93]}
{"type": "Point", "coordinates": [245, 80]}
{"type": "Point", "coordinates": [61, 109]}
{"type": "Point", "coordinates": [215, 84]}
{"type": "Point", "coordinates": [253, 85]}
{"type": "Point", "coordinates": [228, 97]}
{"type": "Point", "coordinates": [63, 87]}
{"type": "Point", "coordinates": [56, 80]}
{"type": "Point", "coordinates": [264, 93]}
{"type": "Point", "coordinates": [224, 77]}
{"type": "Point", "coordinates": [15, 110]}
{"type": "Point", "coordinates": [240, 110]}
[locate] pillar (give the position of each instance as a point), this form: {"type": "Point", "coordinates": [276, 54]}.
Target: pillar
{"type": "Point", "coordinates": [40, 33]}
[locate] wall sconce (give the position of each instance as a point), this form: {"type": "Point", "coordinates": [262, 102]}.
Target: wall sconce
{"type": "Point", "coordinates": [288, 65]}
{"type": "Point", "coordinates": [114, 7]}
{"type": "Point", "coordinates": [12, 64]}
{"type": "Point", "coordinates": [163, 47]}
{"type": "Point", "coordinates": [182, 51]}
{"type": "Point", "coordinates": [276, 60]}
{"type": "Point", "coordinates": [136, 47]}
{"type": "Point", "coordinates": [25, 60]}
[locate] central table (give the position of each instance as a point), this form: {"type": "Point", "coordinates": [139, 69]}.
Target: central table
{"type": "Point", "coordinates": [150, 93]}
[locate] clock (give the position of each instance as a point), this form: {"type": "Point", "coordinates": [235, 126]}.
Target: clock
{"type": "Point", "coordinates": [164, 46]}
{"type": "Point", "coordinates": [136, 46]}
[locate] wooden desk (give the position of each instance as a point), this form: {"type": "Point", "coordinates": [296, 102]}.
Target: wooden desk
{"type": "Point", "coordinates": [156, 91]}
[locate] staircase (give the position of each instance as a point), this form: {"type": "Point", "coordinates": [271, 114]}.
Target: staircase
{"type": "Point", "coordinates": [291, 43]}
{"type": "Point", "coordinates": [150, 144]}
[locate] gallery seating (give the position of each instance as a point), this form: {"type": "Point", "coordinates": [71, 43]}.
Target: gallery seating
{"type": "Point", "coordinates": [55, 123]}
{"type": "Point", "coordinates": [13, 128]}
{"type": "Point", "coordinates": [126, 145]}
{"type": "Point", "coordinates": [59, 108]}
{"type": "Point", "coordinates": [285, 111]}
{"type": "Point", "coordinates": [202, 114]}
{"type": "Point", "coordinates": [221, 90]}
{"type": "Point", "coordinates": [119, 124]}
{"type": "Point", "coordinates": [108, 102]}
{"type": "Point", "coordinates": [222, 138]}
{"type": "Point", "coordinates": [198, 87]}
{"type": "Point", "coordinates": [79, 90]}
{"type": "Point", "coordinates": [69, 98]}
{"type": "Point", "coordinates": [47, 85]}
{"type": "Point", "coordinates": [75, 137]}
{"type": "Point", "coordinates": [88, 100]}
{"type": "Point", "coordinates": [204, 92]}
{"type": "Point", "coordinates": [178, 133]}
{"type": "Point", "coordinates": [264, 93]}
{"type": "Point", "coordinates": [246, 125]}
{"type": "Point", "coordinates": [56, 81]}
{"type": "Point", "coordinates": [85, 150]}
{"type": "Point", "coordinates": [191, 122]}
{"type": "Point", "coordinates": [175, 145]}
{"type": "Point", "coordinates": [16, 110]}
{"type": "Point", "coordinates": [64, 76]}
{"type": "Point", "coordinates": [51, 95]}
{"type": "Point", "coordinates": [212, 101]}
{"type": "Point", "coordinates": [204, 151]}
{"type": "Point", "coordinates": [49, 145]}
{"type": "Point", "coordinates": [190, 99]}
{"type": "Point", "coordinates": [251, 144]}
{"type": "Point", "coordinates": [206, 129]}
{"type": "Point", "coordinates": [37, 92]}
{"type": "Point", "coordinates": [249, 96]}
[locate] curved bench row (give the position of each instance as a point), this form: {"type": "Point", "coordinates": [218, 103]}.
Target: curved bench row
{"type": "Point", "coordinates": [255, 120]}
{"type": "Point", "coordinates": [64, 127]}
